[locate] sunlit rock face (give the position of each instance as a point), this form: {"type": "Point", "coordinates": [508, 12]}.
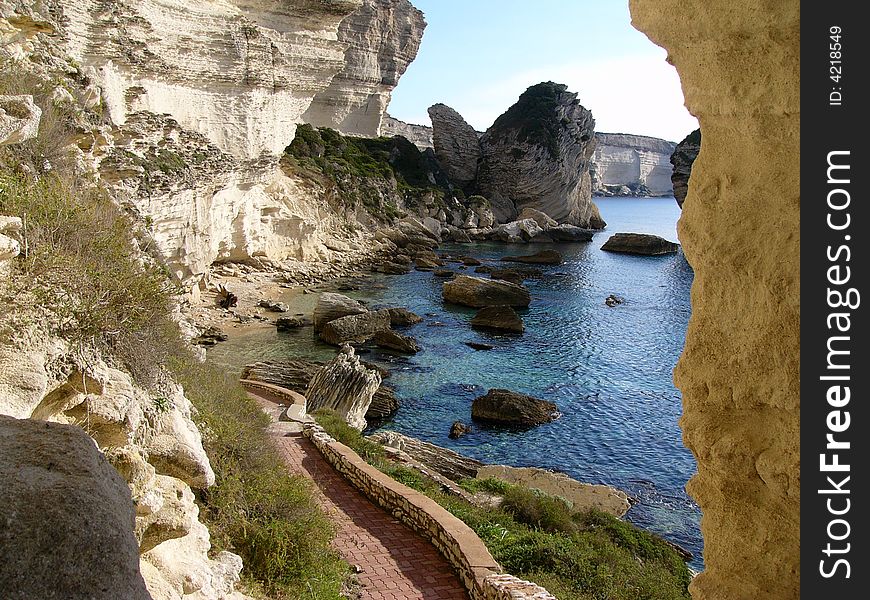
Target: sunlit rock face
{"type": "Point", "coordinates": [740, 230]}
{"type": "Point", "coordinates": [537, 155]}
{"type": "Point", "coordinates": [382, 38]}
{"type": "Point", "coordinates": [636, 162]}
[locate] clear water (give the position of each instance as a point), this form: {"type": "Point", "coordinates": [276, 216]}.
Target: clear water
{"type": "Point", "coordinates": [608, 369]}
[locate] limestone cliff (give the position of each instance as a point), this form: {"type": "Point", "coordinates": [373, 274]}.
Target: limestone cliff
{"type": "Point", "coordinates": [456, 143]}
{"type": "Point", "coordinates": [740, 230]}
{"type": "Point", "coordinates": [199, 101]}
{"type": "Point", "coordinates": [635, 165]}
{"type": "Point", "coordinates": [537, 155]}
{"type": "Point", "coordinates": [382, 38]}
{"type": "Point", "coordinates": [419, 135]}
{"type": "Point", "coordinates": [682, 159]}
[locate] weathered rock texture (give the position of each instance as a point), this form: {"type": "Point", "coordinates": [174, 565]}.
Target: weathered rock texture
{"type": "Point", "coordinates": [382, 38]}
{"type": "Point", "coordinates": [447, 462]}
{"type": "Point", "coordinates": [457, 147]}
{"type": "Point", "coordinates": [537, 154]}
{"type": "Point", "coordinates": [682, 159]}
{"type": "Point", "coordinates": [639, 243]}
{"type": "Point", "coordinates": [67, 517]}
{"type": "Point", "coordinates": [582, 496]}
{"type": "Point", "coordinates": [355, 328]}
{"type": "Point", "coordinates": [345, 386]}
{"type": "Point", "coordinates": [150, 439]}
{"type": "Point", "coordinates": [638, 163]}
{"type": "Point", "coordinates": [740, 417]}
{"type": "Point", "coordinates": [500, 318]}
{"type": "Point", "coordinates": [200, 100]}
{"type": "Point", "coordinates": [505, 406]}
{"type": "Point", "coordinates": [478, 292]}
{"type": "Point", "coordinates": [19, 119]}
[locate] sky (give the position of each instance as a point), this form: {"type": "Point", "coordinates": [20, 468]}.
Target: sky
{"type": "Point", "coordinates": [478, 56]}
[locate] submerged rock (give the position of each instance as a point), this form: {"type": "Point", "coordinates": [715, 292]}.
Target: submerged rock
{"type": "Point", "coordinates": [402, 317]}
{"type": "Point", "coordinates": [345, 386]}
{"type": "Point", "coordinates": [613, 300]}
{"type": "Point", "coordinates": [479, 346]}
{"type": "Point", "coordinates": [477, 292]}
{"type": "Point", "coordinates": [639, 243]}
{"type": "Point", "coordinates": [289, 323]}
{"type": "Point", "coordinates": [500, 318]}
{"type": "Point", "coordinates": [505, 406]}
{"type": "Point", "coordinates": [458, 429]}
{"type": "Point", "coordinates": [544, 257]}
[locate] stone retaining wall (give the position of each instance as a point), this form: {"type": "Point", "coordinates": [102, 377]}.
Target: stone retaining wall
{"type": "Point", "coordinates": [480, 574]}
{"type": "Point", "coordinates": [272, 392]}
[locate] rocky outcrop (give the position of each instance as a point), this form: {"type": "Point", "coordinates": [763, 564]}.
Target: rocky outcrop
{"type": "Point", "coordinates": [683, 157]}
{"type": "Point", "coordinates": [419, 135]}
{"type": "Point", "coordinates": [296, 374]}
{"type": "Point", "coordinates": [478, 292]}
{"type": "Point", "coordinates": [402, 317]}
{"type": "Point", "coordinates": [451, 464]}
{"type": "Point", "coordinates": [331, 306]}
{"type": "Point", "coordinates": [19, 119]}
{"type": "Point", "coordinates": [581, 496]}
{"type": "Point", "coordinates": [513, 408]}
{"type": "Point", "coordinates": [382, 38]}
{"type": "Point", "coordinates": [456, 144]}
{"type": "Point", "coordinates": [499, 318]}
{"type": "Point", "coordinates": [150, 439]}
{"type": "Point", "coordinates": [740, 231]}
{"type": "Point", "coordinates": [396, 341]}
{"type": "Point", "coordinates": [544, 257]}
{"type": "Point", "coordinates": [345, 386]}
{"type": "Point", "coordinates": [537, 154]}
{"type": "Point", "coordinates": [67, 517]}
{"type": "Point", "coordinates": [639, 243]}
{"type": "Point", "coordinates": [635, 165]}
{"type": "Point", "coordinates": [355, 328]}
{"type": "Point", "coordinates": [10, 247]}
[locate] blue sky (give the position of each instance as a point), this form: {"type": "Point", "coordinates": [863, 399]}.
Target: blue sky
{"type": "Point", "coordinates": [478, 56]}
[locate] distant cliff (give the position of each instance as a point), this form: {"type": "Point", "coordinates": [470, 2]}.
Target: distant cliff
{"type": "Point", "coordinates": [631, 165]}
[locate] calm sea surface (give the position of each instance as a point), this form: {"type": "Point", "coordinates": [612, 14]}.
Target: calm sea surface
{"type": "Point", "coordinates": [608, 369]}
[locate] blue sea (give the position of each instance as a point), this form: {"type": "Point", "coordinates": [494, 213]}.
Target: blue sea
{"type": "Point", "coordinates": [608, 369]}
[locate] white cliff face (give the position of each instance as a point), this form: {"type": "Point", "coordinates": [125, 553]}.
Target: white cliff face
{"type": "Point", "coordinates": [382, 38]}
{"type": "Point", "coordinates": [419, 135]}
{"type": "Point", "coordinates": [639, 163]}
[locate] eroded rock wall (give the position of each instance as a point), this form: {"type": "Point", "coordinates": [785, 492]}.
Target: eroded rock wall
{"type": "Point", "coordinates": [382, 38]}
{"type": "Point", "coordinates": [739, 372]}
{"type": "Point", "coordinates": [682, 160]}
{"type": "Point", "coordinates": [419, 135]}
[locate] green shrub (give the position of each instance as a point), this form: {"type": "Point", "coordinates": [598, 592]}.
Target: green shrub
{"type": "Point", "coordinates": [538, 510]}
{"type": "Point", "coordinates": [340, 431]}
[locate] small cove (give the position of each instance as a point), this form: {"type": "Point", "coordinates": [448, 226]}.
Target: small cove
{"type": "Point", "coordinates": [608, 369]}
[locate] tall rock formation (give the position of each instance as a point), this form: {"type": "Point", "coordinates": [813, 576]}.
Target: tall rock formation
{"type": "Point", "coordinates": [419, 135]}
{"type": "Point", "coordinates": [382, 38]}
{"type": "Point", "coordinates": [457, 146]}
{"type": "Point", "coordinates": [631, 164]}
{"type": "Point", "coordinates": [682, 159]}
{"type": "Point", "coordinates": [740, 231]}
{"type": "Point", "coordinates": [344, 385]}
{"type": "Point", "coordinates": [537, 155]}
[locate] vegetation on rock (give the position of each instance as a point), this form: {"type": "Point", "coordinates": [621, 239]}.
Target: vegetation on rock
{"type": "Point", "coordinates": [534, 117]}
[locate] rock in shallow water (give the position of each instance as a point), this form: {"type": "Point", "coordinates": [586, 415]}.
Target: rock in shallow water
{"type": "Point", "coordinates": [477, 292]}
{"type": "Point", "coordinates": [345, 386]}
{"type": "Point", "coordinates": [544, 257]}
{"type": "Point", "coordinates": [639, 243]}
{"type": "Point", "coordinates": [355, 328]}
{"type": "Point", "coordinates": [505, 406]}
{"type": "Point", "coordinates": [402, 317]}
{"type": "Point", "coordinates": [458, 429]}
{"type": "Point", "coordinates": [479, 346]}
{"type": "Point", "coordinates": [331, 306]}
{"type": "Point", "coordinates": [500, 318]}
{"type": "Point", "coordinates": [396, 341]}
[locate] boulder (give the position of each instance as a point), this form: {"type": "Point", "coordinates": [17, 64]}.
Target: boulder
{"type": "Point", "coordinates": [500, 318]}
{"type": "Point", "coordinates": [544, 257]}
{"type": "Point", "coordinates": [425, 264]}
{"type": "Point", "coordinates": [345, 386]}
{"type": "Point", "coordinates": [639, 243]}
{"type": "Point", "coordinates": [395, 236]}
{"type": "Point", "coordinates": [470, 261]}
{"type": "Point", "coordinates": [458, 429]}
{"type": "Point", "coordinates": [543, 220]}
{"type": "Point", "coordinates": [331, 306]}
{"type": "Point", "coordinates": [447, 462]}
{"type": "Point", "coordinates": [505, 406]}
{"type": "Point", "coordinates": [402, 317]}
{"type": "Point", "coordinates": [210, 336]}
{"type": "Point", "coordinates": [443, 273]}
{"type": "Point", "coordinates": [289, 323]}
{"type": "Point", "coordinates": [67, 517]}
{"type": "Point", "coordinates": [396, 341]}
{"type": "Point", "coordinates": [613, 300]}
{"type": "Point", "coordinates": [570, 233]}
{"type": "Point", "coordinates": [19, 119]}
{"type": "Point", "coordinates": [355, 328]}
{"type": "Point", "coordinates": [392, 268]}
{"type": "Point", "coordinates": [479, 346]}
{"type": "Point", "coordinates": [581, 496]}
{"type": "Point", "coordinates": [458, 236]}
{"type": "Point", "coordinates": [516, 232]}
{"type": "Point", "coordinates": [273, 306]}
{"type": "Point", "coordinates": [511, 275]}
{"type": "Point", "coordinates": [477, 292]}
{"type": "Point", "coordinates": [485, 269]}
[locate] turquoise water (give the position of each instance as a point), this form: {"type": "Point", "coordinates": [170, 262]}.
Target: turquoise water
{"type": "Point", "coordinates": [608, 369]}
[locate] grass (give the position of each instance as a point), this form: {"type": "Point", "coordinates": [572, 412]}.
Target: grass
{"type": "Point", "coordinates": [587, 555]}
{"type": "Point", "coordinates": [85, 276]}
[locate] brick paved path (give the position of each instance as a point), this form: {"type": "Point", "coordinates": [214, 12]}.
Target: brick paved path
{"type": "Point", "coordinates": [395, 562]}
